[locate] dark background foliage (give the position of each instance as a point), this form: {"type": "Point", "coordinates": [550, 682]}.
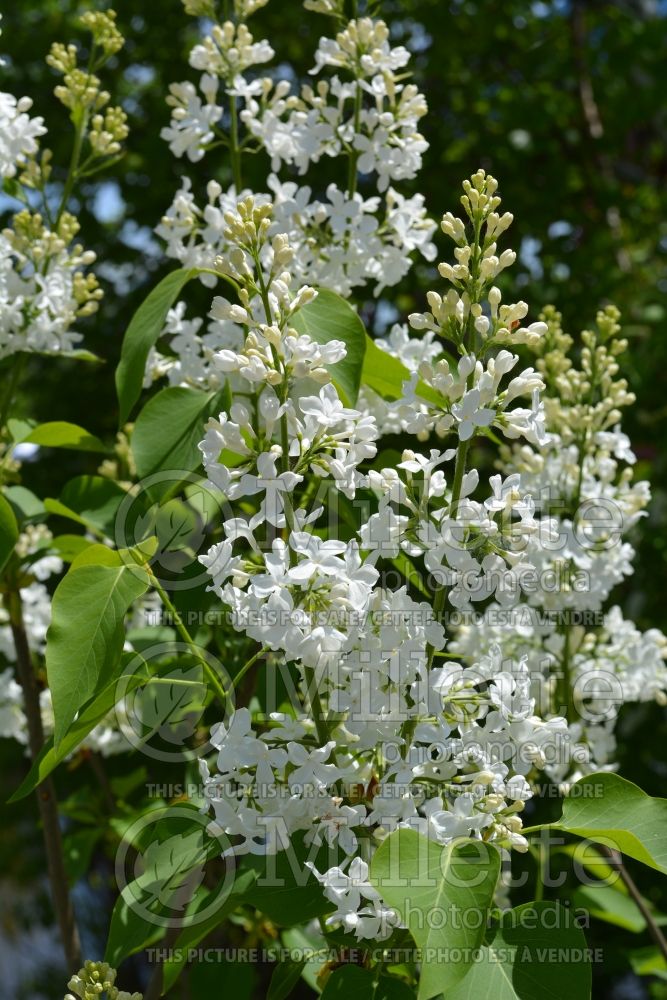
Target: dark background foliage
{"type": "Point", "coordinates": [562, 100]}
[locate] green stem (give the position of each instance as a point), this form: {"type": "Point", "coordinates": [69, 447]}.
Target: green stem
{"type": "Point", "coordinates": [469, 332]}
{"type": "Point", "coordinates": [459, 472]}
{"type": "Point", "coordinates": [79, 134]}
{"type": "Point", "coordinates": [221, 277]}
{"type": "Point", "coordinates": [72, 172]}
{"type": "Point", "coordinates": [187, 638]}
{"type": "Point", "coordinates": [263, 288]}
{"type": "Point", "coordinates": [284, 443]}
{"type": "Point", "coordinates": [540, 853]}
{"type": "Point", "coordinates": [354, 153]}
{"type": "Point", "coordinates": [321, 724]}
{"type": "Point", "coordinates": [463, 446]}
{"type": "Point", "coordinates": [538, 827]}
{"type": "Point", "coordinates": [321, 721]}
{"type": "Point", "coordinates": [311, 495]}
{"type": "Point", "coordinates": [580, 477]}
{"type": "Point", "coordinates": [234, 148]}
{"type": "Point", "coordinates": [284, 461]}
{"type": "Point", "coordinates": [564, 686]}
{"type": "Point", "coordinates": [247, 665]}
{"type": "Point", "coordinates": [653, 928]}
{"type": "Point", "coordinates": [17, 366]}
{"type": "Point", "coordinates": [284, 429]}
{"type": "Point", "coordinates": [84, 171]}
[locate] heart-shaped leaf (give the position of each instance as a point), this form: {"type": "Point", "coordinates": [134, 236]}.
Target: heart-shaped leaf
{"type": "Point", "coordinates": [535, 952]}
{"type": "Point", "coordinates": [443, 895]}
{"type": "Point", "coordinates": [609, 808]}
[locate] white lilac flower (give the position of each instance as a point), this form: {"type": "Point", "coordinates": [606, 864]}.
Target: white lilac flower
{"type": "Point", "coordinates": [19, 133]}
{"type": "Point", "coordinates": [192, 121]}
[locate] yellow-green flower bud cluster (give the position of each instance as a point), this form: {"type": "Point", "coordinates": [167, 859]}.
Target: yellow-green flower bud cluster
{"type": "Point", "coordinates": [102, 26]}
{"type": "Point", "coordinates": [471, 314]}
{"type": "Point", "coordinates": [108, 131]}
{"type": "Point", "coordinates": [95, 981]}
{"type": "Point", "coordinates": [199, 8]}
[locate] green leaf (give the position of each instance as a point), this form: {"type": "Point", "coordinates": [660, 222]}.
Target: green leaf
{"type": "Point", "coordinates": [382, 372]}
{"type": "Point", "coordinates": [285, 890]}
{"type": "Point", "coordinates": [61, 434]}
{"type": "Point", "coordinates": [19, 428]}
{"type": "Point", "coordinates": [198, 930]}
{"type": "Point", "coordinates": [89, 717]}
{"type": "Point", "coordinates": [535, 952]}
{"type": "Point", "coordinates": [390, 988]}
{"type": "Point", "coordinates": [349, 982]}
{"type": "Point", "coordinates": [174, 701]}
{"type": "Point", "coordinates": [608, 904]}
{"type": "Point", "coordinates": [285, 977]}
{"type": "Point", "coordinates": [9, 531]}
{"type": "Point", "coordinates": [89, 500]}
{"type": "Point", "coordinates": [97, 554]}
{"type": "Point", "coordinates": [85, 638]}
{"type": "Point", "coordinates": [12, 187]}
{"type": "Point", "coordinates": [168, 866]}
{"type": "Point", "coordinates": [144, 330]}
{"type": "Point", "coordinates": [175, 523]}
{"type": "Point", "coordinates": [242, 980]}
{"type": "Point", "coordinates": [330, 317]}
{"type": "Point", "coordinates": [385, 374]}
{"type": "Point", "coordinates": [142, 638]}
{"type": "Point", "coordinates": [26, 506]}
{"type": "Point", "coordinates": [69, 547]}
{"type": "Point", "coordinates": [78, 849]}
{"type": "Point", "coordinates": [122, 785]}
{"type": "Point", "coordinates": [587, 856]}
{"type": "Point", "coordinates": [174, 848]}
{"type": "Point", "coordinates": [168, 430]}
{"type": "Point", "coordinates": [306, 939]}
{"type": "Point", "coordinates": [648, 962]}
{"type": "Point", "coordinates": [435, 890]}
{"type": "Point", "coordinates": [607, 807]}
{"type": "Point", "coordinates": [412, 575]}
{"type": "Point", "coordinates": [129, 933]}
{"type": "Point", "coordinates": [352, 982]}
{"type": "Point", "coordinates": [78, 354]}
{"type": "Point", "coordinates": [130, 930]}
